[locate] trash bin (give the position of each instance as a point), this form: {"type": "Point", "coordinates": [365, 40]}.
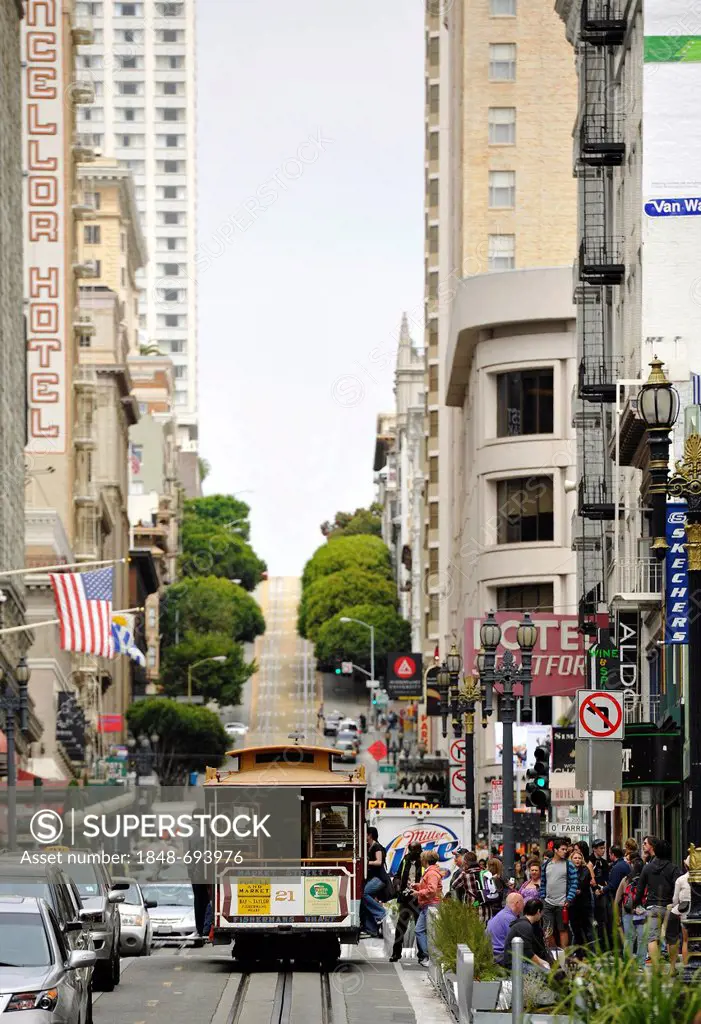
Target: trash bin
{"type": "Point", "coordinates": [193, 778]}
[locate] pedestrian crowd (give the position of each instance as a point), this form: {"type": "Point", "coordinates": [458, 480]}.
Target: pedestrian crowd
{"type": "Point", "coordinates": [570, 897]}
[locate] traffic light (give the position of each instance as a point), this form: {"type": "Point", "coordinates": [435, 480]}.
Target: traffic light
{"type": "Point", "coordinates": [538, 786]}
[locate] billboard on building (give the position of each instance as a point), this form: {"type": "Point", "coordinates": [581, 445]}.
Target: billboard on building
{"type": "Point", "coordinates": [526, 739]}
{"type": "Point", "coordinates": [671, 177]}
{"type": "Point", "coordinates": [46, 285]}
{"type": "Point", "coordinates": [559, 656]}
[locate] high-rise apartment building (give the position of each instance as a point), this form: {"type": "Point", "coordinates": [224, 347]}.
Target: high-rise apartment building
{"type": "Point", "coordinates": [501, 344]}
{"type": "Point", "coordinates": [142, 65]}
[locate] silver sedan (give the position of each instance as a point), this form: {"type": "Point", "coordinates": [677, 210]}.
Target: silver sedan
{"type": "Point", "coordinates": [39, 974]}
{"type": "Point", "coordinates": [136, 933]}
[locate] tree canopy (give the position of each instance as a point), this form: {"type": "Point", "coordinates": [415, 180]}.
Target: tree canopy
{"type": "Point", "coordinates": [190, 738]}
{"type": "Point", "coordinates": [348, 524]}
{"type": "Point", "coordinates": [349, 641]}
{"type": "Point", "coordinates": [359, 552]}
{"type": "Point", "coordinates": [209, 549]}
{"type": "Point", "coordinates": [329, 594]}
{"type": "Point", "coordinates": [213, 680]}
{"type": "Point", "coordinates": [210, 604]}
{"type": "Point", "coordinates": [222, 510]}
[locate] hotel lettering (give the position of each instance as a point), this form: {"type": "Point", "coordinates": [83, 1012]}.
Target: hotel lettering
{"type": "Point", "coordinates": [45, 285]}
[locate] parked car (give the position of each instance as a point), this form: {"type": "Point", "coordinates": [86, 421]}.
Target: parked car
{"type": "Point", "coordinates": [39, 972]}
{"type": "Point", "coordinates": [136, 933]}
{"type": "Point", "coordinates": [174, 918]}
{"type": "Point", "coordinates": [347, 751]}
{"type": "Point", "coordinates": [332, 722]}
{"type": "Point", "coordinates": [345, 735]}
{"type": "Point", "coordinates": [51, 883]}
{"type": "Point", "coordinates": [100, 913]}
{"type": "Point", "coordinates": [235, 729]}
{"type": "Point", "coordinates": [348, 725]}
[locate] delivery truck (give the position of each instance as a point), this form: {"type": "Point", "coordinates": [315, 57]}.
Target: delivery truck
{"type": "Point", "coordinates": [443, 829]}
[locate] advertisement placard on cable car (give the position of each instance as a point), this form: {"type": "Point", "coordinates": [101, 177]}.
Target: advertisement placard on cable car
{"type": "Point", "coordinates": [321, 897]}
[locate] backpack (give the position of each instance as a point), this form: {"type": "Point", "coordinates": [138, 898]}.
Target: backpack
{"type": "Point", "coordinates": [490, 892]}
{"type": "Point", "coordinates": [629, 894]}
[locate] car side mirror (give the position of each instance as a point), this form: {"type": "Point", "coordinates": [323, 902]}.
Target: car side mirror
{"type": "Point", "coordinates": [81, 958]}
{"type": "Point", "coordinates": [115, 896]}
{"type": "Point", "coordinates": [151, 904]}
{"type": "Point", "coordinates": [91, 916]}
{"type": "Point", "coordinates": [120, 886]}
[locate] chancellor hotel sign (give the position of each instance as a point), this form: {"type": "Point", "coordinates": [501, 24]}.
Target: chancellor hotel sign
{"type": "Point", "coordinates": [44, 226]}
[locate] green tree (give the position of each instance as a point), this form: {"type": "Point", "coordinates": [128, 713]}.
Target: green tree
{"type": "Point", "coordinates": [214, 681]}
{"type": "Point", "coordinates": [205, 468]}
{"type": "Point", "coordinates": [348, 524]}
{"type": "Point", "coordinates": [223, 510]}
{"type": "Point", "coordinates": [350, 641]}
{"type": "Point", "coordinates": [212, 550]}
{"type": "Point", "coordinates": [327, 595]}
{"type": "Point", "coordinates": [359, 552]}
{"type": "Point", "coordinates": [190, 738]}
{"type": "Point", "coordinates": [209, 604]}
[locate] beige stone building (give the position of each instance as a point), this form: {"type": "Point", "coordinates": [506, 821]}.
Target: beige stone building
{"type": "Point", "coordinates": [112, 238]}
{"type": "Point", "coordinates": [501, 343]}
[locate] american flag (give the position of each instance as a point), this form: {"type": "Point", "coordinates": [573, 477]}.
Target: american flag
{"type": "Point", "coordinates": [84, 605]}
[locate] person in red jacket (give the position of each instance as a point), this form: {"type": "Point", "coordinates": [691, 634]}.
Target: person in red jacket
{"type": "Point", "coordinates": [429, 892]}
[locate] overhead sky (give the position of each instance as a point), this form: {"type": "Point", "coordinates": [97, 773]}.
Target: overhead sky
{"type": "Point", "coordinates": [310, 245]}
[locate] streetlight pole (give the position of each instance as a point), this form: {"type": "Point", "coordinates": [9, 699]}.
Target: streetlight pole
{"type": "Point", "coordinates": [220, 658]}
{"type": "Point", "coordinates": [507, 675]}
{"type": "Point", "coordinates": [462, 701]}
{"type": "Point", "coordinates": [11, 704]}
{"type": "Point", "coordinates": [347, 618]}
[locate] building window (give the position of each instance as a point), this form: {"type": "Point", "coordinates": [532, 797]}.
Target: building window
{"type": "Point", "coordinates": [433, 515]}
{"type": "Point", "coordinates": [128, 88]}
{"type": "Point", "coordinates": [502, 190]}
{"type": "Point", "coordinates": [434, 51]}
{"type": "Point", "coordinates": [170, 88]}
{"type": "Point", "coordinates": [173, 141]}
{"type": "Point", "coordinates": [176, 345]}
{"type": "Point", "coordinates": [171, 113]}
{"type": "Point", "coordinates": [171, 320]}
{"type": "Point", "coordinates": [170, 191]}
{"type": "Point", "coordinates": [130, 63]}
{"type": "Point", "coordinates": [129, 10]}
{"type": "Point", "coordinates": [433, 192]}
{"type": "Point", "coordinates": [525, 510]}
{"type": "Point", "coordinates": [433, 145]}
{"type": "Point", "coordinates": [129, 113]}
{"type": "Point", "coordinates": [502, 62]}
{"type": "Point", "coordinates": [502, 252]}
{"type": "Point", "coordinates": [91, 234]}
{"type": "Point", "coordinates": [433, 469]}
{"type": "Point", "coordinates": [169, 10]}
{"type": "Point", "coordinates": [433, 608]}
{"type": "Point", "coordinates": [502, 8]}
{"type": "Point", "coordinates": [171, 269]}
{"type": "Point", "coordinates": [179, 372]}
{"type": "Point", "coordinates": [169, 35]}
{"type": "Point", "coordinates": [84, 341]}
{"type": "Point", "coordinates": [433, 98]}
{"type": "Point", "coordinates": [532, 597]}
{"type": "Point", "coordinates": [171, 295]}
{"type": "Point", "coordinates": [433, 424]}
{"type": "Point", "coordinates": [181, 398]}
{"type": "Point", "coordinates": [502, 126]}
{"type": "Point", "coordinates": [525, 403]}
{"type": "Point", "coordinates": [169, 217]}
{"type": "Point", "coordinates": [136, 487]}
{"type": "Point", "coordinates": [433, 377]}
{"type": "Point", "coordinates": [433, 238]}
{"type": "Point", "coordinates": [98, 267]}
{"type": "Point", "coordinates": [93, 199]}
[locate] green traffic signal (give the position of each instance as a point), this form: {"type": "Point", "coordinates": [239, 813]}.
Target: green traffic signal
{"type": "Point", "coordinates": [338, 671]}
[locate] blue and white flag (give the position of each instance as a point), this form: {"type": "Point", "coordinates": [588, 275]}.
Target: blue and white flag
{"type": "Point", "coordinates": [123, 638]}
{"type": "Point", "coordinates": [695, 388]}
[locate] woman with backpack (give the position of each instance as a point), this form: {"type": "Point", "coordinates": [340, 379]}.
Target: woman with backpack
{"type": "Point", "coordinates": [429, 892]}
{"type": "Point", "coordinates": [493, 887]}
{"type": "Point", "coordinates": [632, 924]}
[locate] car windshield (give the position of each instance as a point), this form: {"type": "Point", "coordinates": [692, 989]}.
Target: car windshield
{"type": "Point", "coordinates": [23, 941]}
{"type": "Point", "coordinates": [9, 888]}
{"type": "Point", "coordinates": [132, 896]}
{"type": "Point", "coordinates": [86, 879]}
{"type": "Point", "coordinates": [170, 895]}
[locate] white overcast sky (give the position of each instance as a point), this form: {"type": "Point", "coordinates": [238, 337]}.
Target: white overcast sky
{"type": "Point", "coordinates": [299, 295]}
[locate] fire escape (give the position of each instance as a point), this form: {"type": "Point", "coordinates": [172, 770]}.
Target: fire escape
{"type": "Point", "coordinates": [600, 268]}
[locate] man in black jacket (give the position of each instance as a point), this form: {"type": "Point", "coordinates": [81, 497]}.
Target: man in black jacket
{"type": "Point", "coordinates": [409, 872]}
{"type": "Point", "coordinates": [657, 877]}
{"type": "Point", "coordinates": [528, 928]}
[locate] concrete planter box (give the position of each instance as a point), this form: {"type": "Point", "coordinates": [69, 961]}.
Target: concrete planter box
{"type": "Point", "coordinates": [485, 994]}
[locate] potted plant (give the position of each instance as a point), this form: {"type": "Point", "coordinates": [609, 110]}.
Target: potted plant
{"type": "Point", "coordinates": [456, 923]}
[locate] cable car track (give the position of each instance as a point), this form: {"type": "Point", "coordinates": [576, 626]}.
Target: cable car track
{"type": "Point", "coordinates": [243, 1009]}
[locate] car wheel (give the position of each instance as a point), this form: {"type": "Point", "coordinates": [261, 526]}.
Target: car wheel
{"type": "Point", "coordinates": [104, 975]}
{"type": "Point", "coordinates": [116, 967]}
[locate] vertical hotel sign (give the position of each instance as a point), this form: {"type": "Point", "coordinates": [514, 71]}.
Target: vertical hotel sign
{"type": "Point", "coordinates": [44, 226]}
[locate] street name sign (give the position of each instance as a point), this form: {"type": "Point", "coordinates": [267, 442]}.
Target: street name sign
{"type": "Point", "coordinates": [599, 715]}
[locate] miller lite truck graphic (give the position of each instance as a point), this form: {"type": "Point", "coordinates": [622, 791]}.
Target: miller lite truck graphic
{"type": "Point", "coordinates": [443, 830]}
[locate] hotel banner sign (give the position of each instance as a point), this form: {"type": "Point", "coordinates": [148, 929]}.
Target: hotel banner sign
{"type": "Point", "coordinates": [559, 656]}
{"type": "Point", "coordinates": [44, 225]}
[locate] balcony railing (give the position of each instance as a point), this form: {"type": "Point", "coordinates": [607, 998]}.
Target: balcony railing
{"type": "Point", "coordinates": [603, 22]}
{"type": "Point", "coordinates": [596, 499]}
{"type": "Point", "coordinates": [601, 141]}
{"type": "Point", "coordinates": [642, 710]}
{"type": "Point", "coordinates": [601, 259]}
{"type": "Point", "coordinates": [640, 576]}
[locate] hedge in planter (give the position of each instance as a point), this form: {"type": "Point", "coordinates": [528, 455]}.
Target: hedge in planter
{"type": "Point", "coordinates": [457, 923]}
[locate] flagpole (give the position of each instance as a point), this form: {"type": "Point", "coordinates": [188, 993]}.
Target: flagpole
{"type": "Point", "coordinates": [56, 568]}
{"type": "Point", "coordinates": [29, 627]}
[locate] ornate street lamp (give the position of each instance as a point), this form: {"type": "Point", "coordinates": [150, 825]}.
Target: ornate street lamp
{"type": "Point", "coordinates": [658, 405]}
{"type": "Point", "coordinates": [507, 674]}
